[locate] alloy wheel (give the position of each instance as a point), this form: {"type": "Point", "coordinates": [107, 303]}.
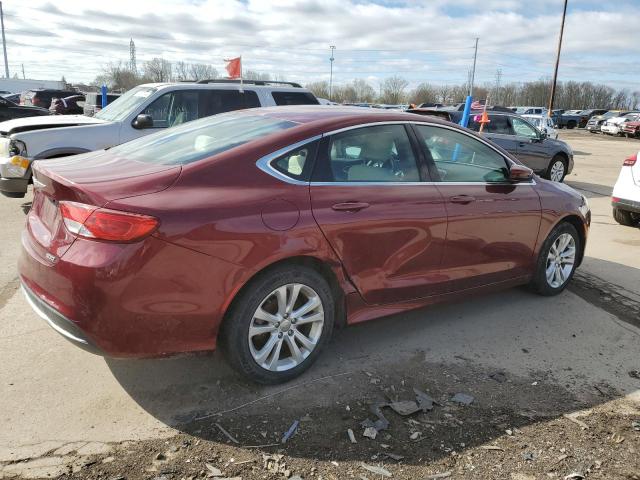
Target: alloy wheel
{"type": "Point", "coordinates": [286, 327]}
{"type": "Point", "coordinates": [557, 171]}
{"type": "Point", "coordinates": [560, 260]}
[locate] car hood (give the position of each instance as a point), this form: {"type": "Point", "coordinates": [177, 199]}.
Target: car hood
{"type": "Point", "coordinates": [559, 144]}
{"type": "Point", "coordinates": [44, 122]}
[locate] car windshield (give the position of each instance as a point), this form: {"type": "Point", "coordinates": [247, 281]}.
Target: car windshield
{"type": "Point", "coordinates": [121, 108]}
{"type": "Point", "coordinates": [200, 139]}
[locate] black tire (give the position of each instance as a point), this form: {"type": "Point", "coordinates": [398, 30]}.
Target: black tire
{"type": "Point", "coordinates": [235, 331]}
{"type": "Point", "coordinates": [592, 131]}
{"type": "Point", "coordinates": [571, 124]}
{"type": "Point", "coordinates": [624, 217]}
{"type": "Point", "coordinates": [557, 159]}
{"type": "Point", "coordinates": [539, 283]}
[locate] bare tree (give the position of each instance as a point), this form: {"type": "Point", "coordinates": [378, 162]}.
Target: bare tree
{"type": "Point", "coordinates": [424, 93]}
{"type": "Point", "coordinates": [319, 89]}
{"type": "Point", "coordinates": [158, 70]}
{"type": "Point", "coordinates": [254, 75]}
{"type": "Point", "coordinates": [363, 91]}
{"type": "Point", "coordinates": [201, 71]}
{"type": "Point", "coordinates": [393, 90]}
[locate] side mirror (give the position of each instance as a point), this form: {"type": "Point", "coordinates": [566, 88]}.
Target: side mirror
{"type": "Point", "coordinates": [142, 121]}
{"type": "Point", "coordinates": [520, 173]}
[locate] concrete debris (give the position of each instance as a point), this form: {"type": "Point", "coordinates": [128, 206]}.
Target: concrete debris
{"type": "Point", "coordinates": [574, 476]}
{"type": "Point", "coordinates": [415, 435]}
{"type": "Point", "coordinates": [635, 374]}
{"type": "Point", "coordinates": [573, 417]}
{"type": "Point", "coordinates": [491, 447]}
{"type": "Point", "coordinates": [462, 399]}
{"type": "Point", "coordinates": [275, 464]}
{"type": "Point", "coordinates": [425, 402]}
{"type": "Point", "coordinates": [499, 377]}
{"type": "Point", "coordinates": [528, 456]}
{"type": "Point", "coordinates": [636, 425]}
{"type": "Point", "coordinates": [370, 432]}
{"type": "Point", "coordinates": [377, 470]}
{"type": "Point", "coordinates": [436, 476]}
{"type": "Point", "coordinates": [393, 456]}
{"type": "Point", "coordinates": [405, 408]}
{"type": "Point", "coordinates": [213, 471]}
{"type": "Point", "coordinates": [291, 432]}
{"type": "Point", "coordinates": [352, 437]}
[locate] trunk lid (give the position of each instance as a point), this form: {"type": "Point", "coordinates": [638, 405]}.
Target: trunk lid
{"type": "Point", "coordinates": [92, 179]}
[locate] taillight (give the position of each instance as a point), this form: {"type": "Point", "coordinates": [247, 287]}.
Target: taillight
{"type": "Point", "coordinates": [631, 161]}
{"type": "Point", "coordinates": [103, 224]}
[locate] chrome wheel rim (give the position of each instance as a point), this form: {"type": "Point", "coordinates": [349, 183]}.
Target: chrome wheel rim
{"type": "Point", "coordinates": [560, 260]}
{"type": "Point", "coordinates": [557, 171]}
{"type": "Point", "coordinates": [286, 327]}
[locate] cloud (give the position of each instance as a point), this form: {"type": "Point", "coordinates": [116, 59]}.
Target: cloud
{"type": "Point", "coordinates": [429, 40]}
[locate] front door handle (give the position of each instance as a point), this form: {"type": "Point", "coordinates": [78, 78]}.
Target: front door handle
{"type": "Point", "coordinates": [349, 206]}
{"type": "Point", "coordinates": [463, 199]}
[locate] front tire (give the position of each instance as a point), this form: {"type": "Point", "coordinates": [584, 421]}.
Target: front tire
{"type": "Point", "coordinates": [557, 169]}
{"type": "Point", "coordinates": [279, 324]}
{"type": "Point", "coordinates": [623, 217]}
{"type": "Point", "coordinates": [571, 124]}
{"type": "Point", "coordinates": [557, 260]}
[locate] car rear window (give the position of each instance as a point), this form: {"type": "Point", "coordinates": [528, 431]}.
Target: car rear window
{"type": "Point", "coordinates": [294, 98]}
{"type": "Point", "coordinates": [200, 139]}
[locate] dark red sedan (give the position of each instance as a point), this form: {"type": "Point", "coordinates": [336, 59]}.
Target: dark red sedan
{"type": "Point", "coordinates": [261, 230]}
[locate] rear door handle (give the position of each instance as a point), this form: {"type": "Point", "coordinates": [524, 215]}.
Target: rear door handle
{"type": "Point", "coordinates": [350, 206]}
{"type": "Point", "coordinates": [463, 199]}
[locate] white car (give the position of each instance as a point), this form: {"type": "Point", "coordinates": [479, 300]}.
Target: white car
{"type": "Point", "coordinates": [625, 198]}
{"type": "Point", "coordinates": [614, 125]}
{"type": "Point", "coordinates": [142, 110]}
{"type": "Point", "coordinates": [544, 124]}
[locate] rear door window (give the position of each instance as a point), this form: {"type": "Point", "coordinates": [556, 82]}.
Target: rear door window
{"type": "Point", "coordinates": [221, 101]}
{"type": "Point", "coordinates": [294, 98]}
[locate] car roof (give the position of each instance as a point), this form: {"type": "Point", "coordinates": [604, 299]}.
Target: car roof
{"type": "Point", "coordinates": [222, 86]}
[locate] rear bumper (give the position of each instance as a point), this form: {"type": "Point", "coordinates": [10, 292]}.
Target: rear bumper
{"type": "Point", "coordinates": [145, 299]}
{"type": "Point", "coordinates": [61, 324]}
{"type": "Point", "coordinates": [627, 205]}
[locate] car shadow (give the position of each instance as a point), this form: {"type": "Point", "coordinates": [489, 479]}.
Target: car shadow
{"type": "Point", "coordinates": [524, 358]}
{"type": "Point", "coordinates": [591, 190]}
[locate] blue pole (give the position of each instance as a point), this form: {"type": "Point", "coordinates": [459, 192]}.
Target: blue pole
{"type": "Point", "coordinates": [464, 121]}
{"type": "Point", "coordinates": [104, 95]}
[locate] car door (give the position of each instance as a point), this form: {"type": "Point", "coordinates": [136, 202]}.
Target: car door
{"type": "Point", "coordinates": [532, 150]}
{"type": "Point", "coordinates": [492, 223]}
{"type": "Point", "coordinates": [386, 225]}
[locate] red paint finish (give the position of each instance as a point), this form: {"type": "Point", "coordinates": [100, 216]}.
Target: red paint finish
{"type": "Point", "coordinates": [222, 220]}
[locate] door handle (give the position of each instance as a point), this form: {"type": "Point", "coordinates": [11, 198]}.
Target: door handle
{"type": "Point", "coordinates": [463, 199]}
{"type": "Point", "coordinates": [522, 144]}
{"type": "Point", "coordinates": [349, 206]}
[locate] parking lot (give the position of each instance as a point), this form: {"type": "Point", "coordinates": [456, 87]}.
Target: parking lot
{"type": "Point", "coordinates": [554, 383]}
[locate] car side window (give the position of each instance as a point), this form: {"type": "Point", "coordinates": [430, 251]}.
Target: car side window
{"type": "Point", "coordinates": [221, 101]}
{"type": "Point", "coordinates": [380, 153]}
{"type": "Point", "coordinates": [461, 158]}
{"type": "Point", "coordinates": [523, 129]}
{"type": "Point", "coordinates": [294, 98]}
{"type": "Point", "coordinates": [297, 164]}
{"type": "Point", "coordinates": [174, 108]}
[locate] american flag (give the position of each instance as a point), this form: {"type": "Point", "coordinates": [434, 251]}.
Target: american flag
{"type": "Point", "coordinates": [477, 105]}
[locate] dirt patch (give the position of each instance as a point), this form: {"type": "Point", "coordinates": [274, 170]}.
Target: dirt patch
{"type": "Point", "coordinates": [503, 427]}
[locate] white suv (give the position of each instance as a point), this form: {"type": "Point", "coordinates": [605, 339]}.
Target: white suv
{"type": "Point", "coordinates": [140, 111]}
{"type": "Point", "coordinates": [626, 193]}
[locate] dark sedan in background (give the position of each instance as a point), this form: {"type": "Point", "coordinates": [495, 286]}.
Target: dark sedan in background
{"type": "Point", "coordinates": [548, 157]}
{"type": "Point", "coordinates": [10, 110]}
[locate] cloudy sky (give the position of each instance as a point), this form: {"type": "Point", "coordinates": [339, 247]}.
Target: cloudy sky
{"type": "Point", "coordinates": [429, 40]}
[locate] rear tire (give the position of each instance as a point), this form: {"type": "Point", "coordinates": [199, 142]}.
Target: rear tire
{"type": "Point", "coordinates": [264, 339]}
{"type": "Point", "coordinates": [624, 217]}
{"type": "Point", "coordinates": [557, 260]}
{"type": "Point", "coordinates": [557, 169]}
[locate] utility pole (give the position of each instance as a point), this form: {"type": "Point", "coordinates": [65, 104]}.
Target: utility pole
{"type": "Point", "coordinates": [496, 95]}
{"type": "Point", "coordinates": [4, 44]}
{"type": "Point", "coordinates": [23, 77]}
{"type": "Point", "coordinates": [555, 71]}
{"type": "Point", "coordinates": [132, 57]}
{"type": "Point", "coordinates": [331, 59]}
{"type": "Point", "coordinates": [473, 71]}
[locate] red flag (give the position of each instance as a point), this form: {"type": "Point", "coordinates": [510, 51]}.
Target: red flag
{"type": "Point", "coordinates": [234, 67]}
